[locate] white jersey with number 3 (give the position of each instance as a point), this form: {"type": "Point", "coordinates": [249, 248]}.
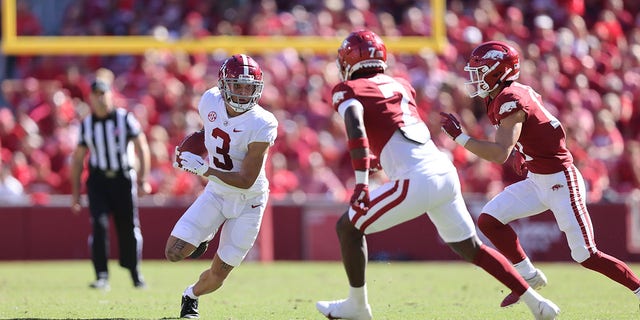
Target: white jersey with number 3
{"type": "Point", "coordinates": [227, 139]}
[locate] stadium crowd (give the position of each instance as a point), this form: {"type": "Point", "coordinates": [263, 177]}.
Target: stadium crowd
{"type": "Point", "coordinates": [583, 56]}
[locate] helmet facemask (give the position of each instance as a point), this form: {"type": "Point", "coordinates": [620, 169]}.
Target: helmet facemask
{"type": "Point", "coordinates": [240, 82]}
{"type": "Point", "coordinates": [236, 97]}
{"type": "Point", "coordinates": [347, 71]}
{"type": "Point", "coordinates": [491, 64]}
{"type": "Point", "coordinates": [477, 86]}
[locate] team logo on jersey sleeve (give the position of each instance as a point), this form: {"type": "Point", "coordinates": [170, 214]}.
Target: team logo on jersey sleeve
{"type": "Point", "coordinates": [212, 116]}
{"type": "Point", "coordinates": [338, 96]}
{"type": "Point", "coordinates": [507, 106]}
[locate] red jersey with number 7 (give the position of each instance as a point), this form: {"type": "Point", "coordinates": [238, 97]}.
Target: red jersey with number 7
{"type": "Point", "coordinates": [542, 139]}
{"type": "Point", "coordinates": [389, 106]}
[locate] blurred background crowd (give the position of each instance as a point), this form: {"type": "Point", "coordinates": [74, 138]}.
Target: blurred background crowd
{"type": "Point", "coordinates": [583, 56]}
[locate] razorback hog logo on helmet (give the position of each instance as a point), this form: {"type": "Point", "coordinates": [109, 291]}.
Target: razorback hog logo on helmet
{"type": "Point", "coordinates": [345, 43]}
{"type": "Point", "coordinates": [494, 55]}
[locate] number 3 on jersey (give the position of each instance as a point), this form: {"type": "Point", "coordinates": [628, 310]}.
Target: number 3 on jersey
{"type": "Point", "coordinates": [222, 159]}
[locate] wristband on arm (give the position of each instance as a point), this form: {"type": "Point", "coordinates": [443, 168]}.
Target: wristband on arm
{"type": "Point", "coordinates": [462, 139]}
{"type": "Point", "coordinates": [360, 164]}
{"type": "Point", "coordinates": [356, 143]}
{"type": "Point", "coordinates": [362, 177]}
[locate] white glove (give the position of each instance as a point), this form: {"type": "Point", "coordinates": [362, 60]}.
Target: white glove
{"type": "Point", "coordinates": [193, 163]}
{"type": "Point", "coordinates": [176, 158]}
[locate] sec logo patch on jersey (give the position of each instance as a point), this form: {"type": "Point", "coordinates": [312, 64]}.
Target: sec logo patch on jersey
{"type": "Point", "coordinates": [212, 116]}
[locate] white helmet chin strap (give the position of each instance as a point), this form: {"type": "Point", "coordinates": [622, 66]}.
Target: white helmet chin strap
{"type": "Point", "coordinates": [483, 94]}
{"type": "Point", "coordinates": [240, 107]}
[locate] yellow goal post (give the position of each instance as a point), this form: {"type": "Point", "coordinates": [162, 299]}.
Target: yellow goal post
{"type": "Point", "coordinates": [14, 44]}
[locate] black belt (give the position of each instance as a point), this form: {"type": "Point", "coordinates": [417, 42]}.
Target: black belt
{"type": "Point", "coordinates": [107, 173]}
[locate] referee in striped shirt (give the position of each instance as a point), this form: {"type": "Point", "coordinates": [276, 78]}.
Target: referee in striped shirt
{"type": "Point", "coordinates": [113, 183]}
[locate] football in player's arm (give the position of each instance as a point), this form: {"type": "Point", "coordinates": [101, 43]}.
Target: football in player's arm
{"type": "Point", "coordinates": [238, 133]}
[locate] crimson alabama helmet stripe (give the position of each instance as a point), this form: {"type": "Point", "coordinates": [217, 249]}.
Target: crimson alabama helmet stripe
{"type": "Point", "coordinates": [579, 210]}
{"type": "Point", "coordinates": [245, 64]}
{"type": "Point", "coordinates": [392, 204]}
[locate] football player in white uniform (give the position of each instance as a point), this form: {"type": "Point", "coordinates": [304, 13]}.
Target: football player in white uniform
{"type": "Point", "coordinates": [381, 119]}
{"type": "Point", "coordinates": [238, 135]}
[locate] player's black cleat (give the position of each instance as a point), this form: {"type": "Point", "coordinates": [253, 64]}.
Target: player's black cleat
{"type": "Point", "coordinates": [200, 250]}
{"type": "Point", "coordinates": [140, 284]}
{"type": "Point", "coordinates": [189, 308]}
{"type": "Point", "coordinates": [138, 280]}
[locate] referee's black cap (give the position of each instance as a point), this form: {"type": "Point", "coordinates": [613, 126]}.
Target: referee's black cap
{"type": "Point", "coordinates": [100, 85]}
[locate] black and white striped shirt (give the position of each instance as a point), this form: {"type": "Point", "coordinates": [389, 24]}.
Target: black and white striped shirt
{"type": "Point", "coordinates": [108, 140]}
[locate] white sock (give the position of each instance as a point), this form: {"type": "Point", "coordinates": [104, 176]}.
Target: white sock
{"type": "Point", "coordinates": [525, 268]}
{"type": "Point", "coordinates": [189, 292]}
{"type": "Point", "coordinates": [359, 295]}
{"type": "Point", "coordinates": [637, 293]}
{"type": "Point", "coordinates": [531, 297]}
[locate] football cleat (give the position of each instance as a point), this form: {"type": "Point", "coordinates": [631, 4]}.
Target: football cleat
{"type": "Point", "coordinates": [200, 250]}
{"type": "Point", "coordinates": [138, 279]}
{"type": "Point", "coordinates": [545, 310]}
{"type": "Point", "coordinates": [101, 284]}
{"type": "Point", "coordinates": [536, 282]}
{"type": "Point", "coordinates": [189, 308]}
{"type": "Point", "coordinates": [140, 284]}
{"type": "Point", "coordinates": [344, 309]}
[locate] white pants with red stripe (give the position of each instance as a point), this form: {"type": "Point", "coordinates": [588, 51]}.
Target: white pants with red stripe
{"type": "Point", "coordinates": [398, 201]}
{"type": "Point", "coordinates": [563, 193]}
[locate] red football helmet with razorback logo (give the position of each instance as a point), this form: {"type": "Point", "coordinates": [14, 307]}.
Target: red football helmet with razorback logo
{"type": "Point", "coordinates": [240, 81]}
{"type": "Point", "coordinates": [491, 64]}
{"type": "Point", "coordinates": [361, 50]}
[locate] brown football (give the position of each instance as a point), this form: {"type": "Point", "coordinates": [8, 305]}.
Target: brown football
{"type": "Point", "coordinates": [193, 143]}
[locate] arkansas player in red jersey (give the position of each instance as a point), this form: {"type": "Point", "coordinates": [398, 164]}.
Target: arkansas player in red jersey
{"type": "Point", "coordinates": [552, 183]}
{"type": "Point", "coordinates": [382, 121]}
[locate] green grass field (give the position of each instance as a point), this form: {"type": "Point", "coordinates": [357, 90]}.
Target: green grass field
{"type": "Point", "coordinates": [288, 290]}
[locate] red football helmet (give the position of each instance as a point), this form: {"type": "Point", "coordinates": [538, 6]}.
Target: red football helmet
{"type": "Point", "coordinates": [491, 64]}
{"type": "Point", "coordinates": [361, 50]}
{"type": "Point", "coordinates": [240, 81]}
